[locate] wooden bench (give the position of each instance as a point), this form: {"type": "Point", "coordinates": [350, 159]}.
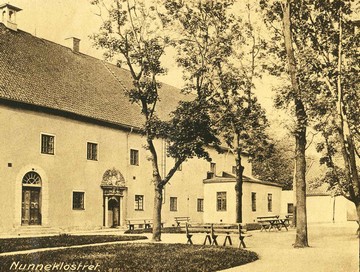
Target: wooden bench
{"type": "Point", "coordinates": [140, 223]}
{"type": "Point", "coordinates": [273, 222]}
{"type": "Point", "coordinates": [181, 219]}
{"type": "Point", "coordinates": [212, 232]}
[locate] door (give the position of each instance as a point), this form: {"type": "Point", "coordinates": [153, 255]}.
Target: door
{"type": "Point", "coordinates": [113, 212]}
{"type": "Point", "coordinates": [31, 206]}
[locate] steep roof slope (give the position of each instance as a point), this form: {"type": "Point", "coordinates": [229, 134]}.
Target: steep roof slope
{"type": "Point", "coordinates": [42, 73]}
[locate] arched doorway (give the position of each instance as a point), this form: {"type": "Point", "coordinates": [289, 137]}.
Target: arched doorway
{"type": "Point", "coordinates": [31, 199]}
{"type": "Point", "coordinates": [113, 211]}
{"type": "Point", "coordinates": [113, 185]}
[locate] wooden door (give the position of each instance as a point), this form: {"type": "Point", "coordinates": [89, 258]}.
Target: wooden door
{"type": "Point", "coordinates": [31, 206]}
{"type": "Point", "coordinates": [25, 218]}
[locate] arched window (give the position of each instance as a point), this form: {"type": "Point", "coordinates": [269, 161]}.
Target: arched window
{"type": "Point", "coordinates": [11, 15]}
{"type": "Point", "coordinates": [31, 179]}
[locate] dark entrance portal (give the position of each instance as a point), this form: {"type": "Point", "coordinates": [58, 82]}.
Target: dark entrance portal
{"type": "Point", "coordinates": [31, 199]}
{"type": "Point", "coordinates": [113, 212]}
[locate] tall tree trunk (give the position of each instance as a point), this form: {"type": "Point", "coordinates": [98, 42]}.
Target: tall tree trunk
{"type": "Point", "coordinates": [158, 188]}
{"type": "Point", "coordinates": [156, 236]}
{"type": "Point", "coordinates": [300, 185]}
{"type": "Point", "coordinates": [239, 190]}
{"type": "Point", "coordinates": [357, 205]}
{"type": "Point", "coordinates": [239, 180]}
{"type": "Point", "coordinates": [345, 133]}
{"type": "Point", "coordinates": [300, 134]}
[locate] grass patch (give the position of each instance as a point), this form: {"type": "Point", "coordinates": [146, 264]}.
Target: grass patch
{"type": "Point", "coordinates": [17, 244]}
{"type": "Point", "coordinates": [141, 257]}
{"type": "Point", "coordinates": [253, 226]}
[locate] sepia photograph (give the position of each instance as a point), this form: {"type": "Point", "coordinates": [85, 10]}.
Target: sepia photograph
{"type": "Point", "coordinates": [180, 135]}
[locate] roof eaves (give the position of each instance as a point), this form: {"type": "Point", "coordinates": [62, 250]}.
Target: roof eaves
{"type": "Point", "coordinates": [73, 115]}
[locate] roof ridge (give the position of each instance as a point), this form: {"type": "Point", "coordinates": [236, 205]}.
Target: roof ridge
{"type": "Point", "coordinates": [115, 77]}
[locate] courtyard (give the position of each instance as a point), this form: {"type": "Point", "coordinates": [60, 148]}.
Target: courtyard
{"type": "Point", "coordinates": [333, 248]}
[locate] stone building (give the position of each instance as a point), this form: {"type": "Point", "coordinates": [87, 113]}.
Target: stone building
{"type": "Point", "coordinates": [71, 153]}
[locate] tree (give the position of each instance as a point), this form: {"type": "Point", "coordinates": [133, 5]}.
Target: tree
{"type": "Point", "coordinates": [133, 32]}
{"type": "Point", "coordinates": [278, 165]}
{"type": "Point", "coordinates": [335, 44]}
{"type": "Point", "coordinates": [297, 97]}
{"type": "Point", "coordinates": [326, 50]}
{"type": "Point", "coordinates": [211, 52]}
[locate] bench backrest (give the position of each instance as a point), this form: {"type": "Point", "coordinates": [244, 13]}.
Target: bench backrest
{"type": "Point", "coordinates": [267, 217]}
{"type": "Point", "coordinates": [182, 218]}
{"type": "Point", "coordinates": [214, 228]}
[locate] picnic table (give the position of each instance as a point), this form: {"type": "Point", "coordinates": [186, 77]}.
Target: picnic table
{"type": "Point", "coordinates": [273, 222]}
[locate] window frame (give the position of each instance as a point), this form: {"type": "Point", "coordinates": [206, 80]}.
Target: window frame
{"type": "Point", "coordinates": [91, 157]}
{"type": "Point", "coordinates": [200, 205]}
{"type": "Point", "coordinates": [173, 204]}
{"type": "Point", "coordinates": [221, 205]}
{"type": "Point", "coordinates": [45, 149]}
{"type": "Point", "coordinates": [82, 206]}
{"type": "Point", "coordinates": [269, 202]}
{"type": "Point", "coordinates": [139, 204]}
{"type": "Point", "coordinates": [134, 160]}
{"type": "Point", "coordinates": [290, 208]}
{"type": "Point", "coordinates": [213, 167]}
{"type": "Point", "coordinates": [253, 201]}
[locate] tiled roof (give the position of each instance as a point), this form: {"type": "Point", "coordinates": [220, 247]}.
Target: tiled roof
{"type": "Point", "coordinates": [42, 73]}
{"type": "Point", "coordinates": [322, 190]}
{"type": "Point", "coordinates": [227, 177]}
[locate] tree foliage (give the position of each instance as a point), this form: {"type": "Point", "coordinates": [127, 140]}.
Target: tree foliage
{"type": "Point", "coordinates": [327, 55]}
{"type": "Point", "coordinates": [278, 165]}
{"type": "Point", "coordinates": [133, 32]}
{"type": "Point", "coordinates": [218, 53]}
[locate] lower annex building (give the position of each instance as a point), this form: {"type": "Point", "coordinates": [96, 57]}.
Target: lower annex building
{"type": "Point", "coordinates": [72, 157]}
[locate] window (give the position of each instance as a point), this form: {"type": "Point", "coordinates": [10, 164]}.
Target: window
{"type": "Point", "coordinates": [290, 208]}
{"type": "Point", "coordinates": [78, 200]}
{"type": "Point", "coordinates": [139, 202]}
{"type": "Point", "coordinates": [221, 201]}
{"type": "Point", "coordinates": [173, 204]}
{"type": "Point", "coordinates": [269, 202]}
{"type": "Point", "coordinates": [253, 202]}
{"type": "Point", "coordinates": [47, 144]}
{"type": "Point", "coordinates": [134, 157]}
{"type": "Point", "coordinates": [213, 167]}
{"type": "Point", "coordinates": [92, 151]}
{"type": "Point", "coordinates": [200, 205]}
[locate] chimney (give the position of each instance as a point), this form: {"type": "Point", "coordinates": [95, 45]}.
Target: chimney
{"type": "Point", "coordinates": [74, 44]}
{"type": "Point", "coordinates": [8, 15]}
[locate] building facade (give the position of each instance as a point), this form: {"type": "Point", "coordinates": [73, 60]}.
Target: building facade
{"type": "Point", "coordinates": [72, 156]}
